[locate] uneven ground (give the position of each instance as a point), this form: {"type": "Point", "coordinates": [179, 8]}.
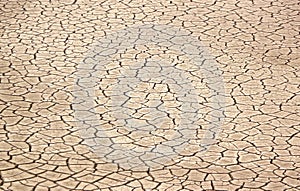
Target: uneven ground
{"type": "Point", "coordinates": [255, 44]}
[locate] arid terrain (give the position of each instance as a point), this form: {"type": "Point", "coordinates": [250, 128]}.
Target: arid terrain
{"type": "Point", "coordinates": [140, 95]}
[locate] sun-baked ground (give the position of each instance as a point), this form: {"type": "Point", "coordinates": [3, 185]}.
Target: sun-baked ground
{"type": "Point", "coordinates": [143, 124]}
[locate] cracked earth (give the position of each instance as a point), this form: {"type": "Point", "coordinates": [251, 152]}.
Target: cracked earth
{"type": "Point", "coordinates": [139, 95]}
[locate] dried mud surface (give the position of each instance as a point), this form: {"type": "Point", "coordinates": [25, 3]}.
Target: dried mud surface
{"type": "Point", "coordinates": [254, 44]}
